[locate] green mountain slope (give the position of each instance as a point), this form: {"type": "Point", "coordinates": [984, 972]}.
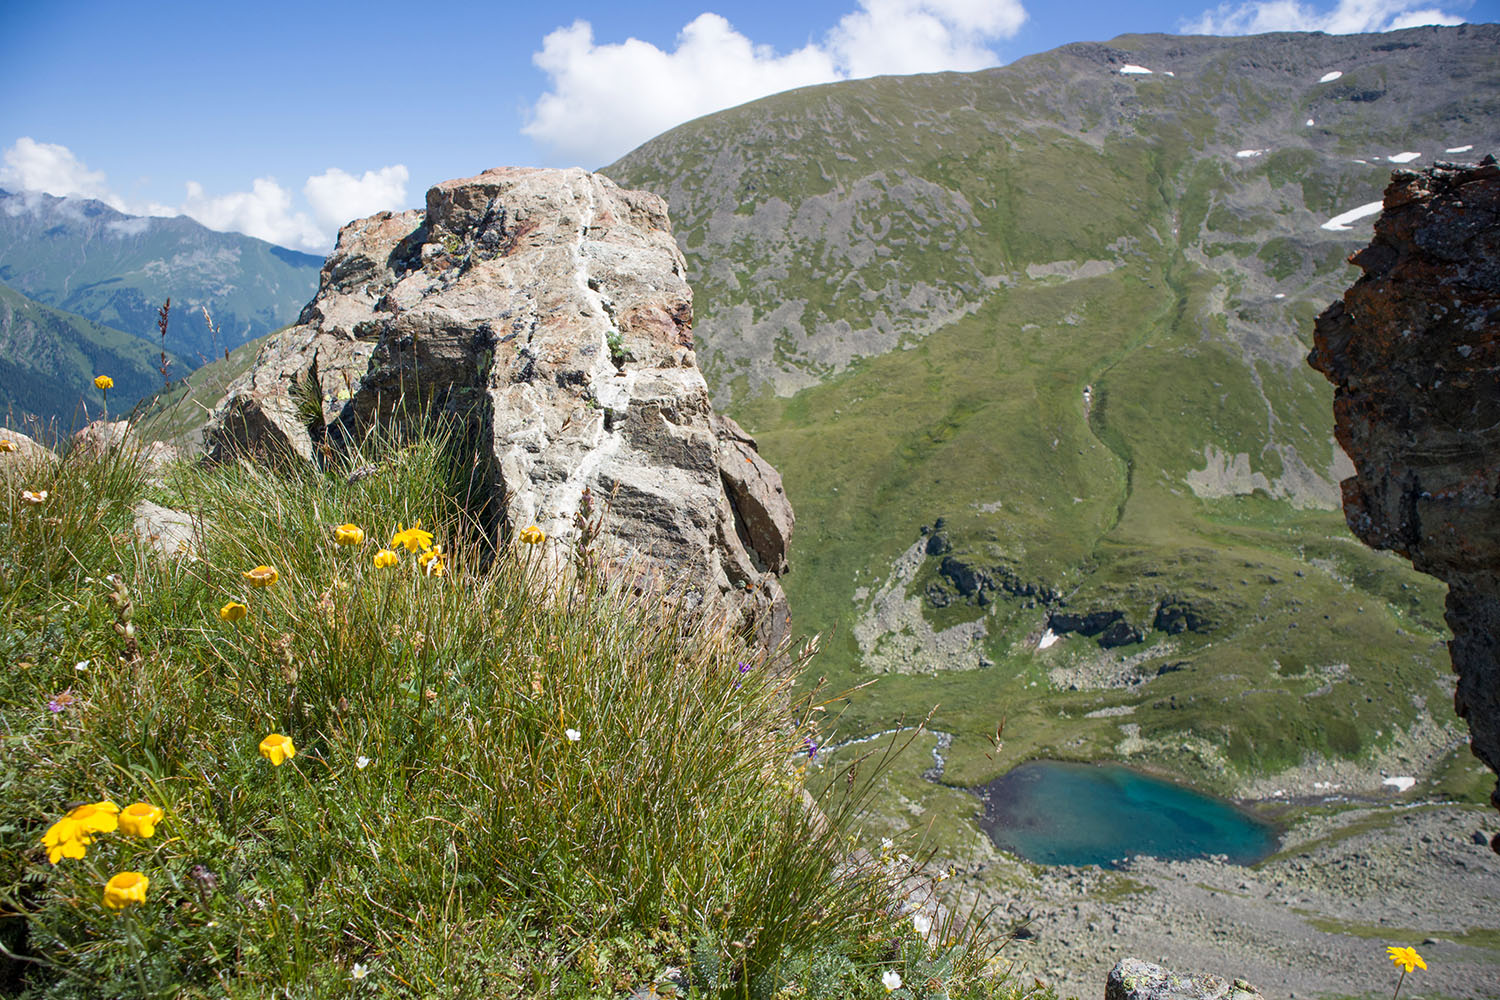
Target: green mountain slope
{"type": "Point", "coordinates": [48, 360]}
{"type": "Point", "coordinates": [177, 416]}
{"type": "Point", "coordinates": [1064, 306]}
{"type": "Point", "coordinates": [85, 257]}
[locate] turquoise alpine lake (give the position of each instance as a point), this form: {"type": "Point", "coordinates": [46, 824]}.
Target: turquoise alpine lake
{"type": "Point", "coordinates": [1058, 813]}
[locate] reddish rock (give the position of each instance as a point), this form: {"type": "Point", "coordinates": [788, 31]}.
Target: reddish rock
{"type": "Point", "coordinates": [1413, 350]}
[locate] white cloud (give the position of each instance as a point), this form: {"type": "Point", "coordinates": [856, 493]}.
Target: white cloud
{"type": "Point", "coordinates": [1346, 17]}
{"type": "Point", "coordinates": [265, 211]}
{"type": "Point", "coordinates": [45, 166]}
{"type": "Point", "coordinates": [337, 197]}
{"type": "Point", "coordinates": [604, 99]}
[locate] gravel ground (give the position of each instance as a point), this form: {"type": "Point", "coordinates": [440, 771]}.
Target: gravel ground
{"type": "Point", "coordinates": [1313, 921]}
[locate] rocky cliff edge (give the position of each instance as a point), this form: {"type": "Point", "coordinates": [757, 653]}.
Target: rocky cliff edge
{"type": "Point", "coordinates": [1413, 351]}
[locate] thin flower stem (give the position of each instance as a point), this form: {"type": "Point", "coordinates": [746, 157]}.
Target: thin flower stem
{"type": "Point", "coordinates": [1398, 985]}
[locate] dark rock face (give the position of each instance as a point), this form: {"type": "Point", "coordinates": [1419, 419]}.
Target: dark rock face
{"type": "Point", "coordinates": [548, 310]}
{"type": "Point", "coordinates": [1089, 623]}
{"type": "Point", "coordinates": [1413, 350]}
{"type": "Point", "coordinates": [1175, 615]}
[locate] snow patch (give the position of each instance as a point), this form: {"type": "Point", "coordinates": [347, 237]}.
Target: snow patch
{"type": "Point", "coordinates": [1400, 784]}
{"type": "Point", "coordinates": [1246, 154]}
{"type": "Point", "coordinates": [1048, 638]}
{"type": "Point", "coordinates": [1280, 295]}
{"type": "Point", "coordinates": [1330, 76]}
{"type": "Point", "coordinates": [1460, 149]}
{"type": "Point", "coordinates": [1403, 157]}
{"type": "Point", "coordinates": [1340, 223]}
{"type": "Point", "coordinates": [1133, 69]}
{"type": "Point", "coordinates": [1310, 123]}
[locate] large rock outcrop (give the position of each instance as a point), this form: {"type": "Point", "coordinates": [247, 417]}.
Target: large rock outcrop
{"type": "Point", "coordinates": [1413, 349]}
{"type": "Point", "coordinates": [549, 310]}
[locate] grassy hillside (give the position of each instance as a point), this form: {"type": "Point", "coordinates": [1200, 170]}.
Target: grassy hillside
{"type": "Point", "coordinates": [360, 777]}
{"type": "Point", "coordinates": [49, 358]}
{"type": "Point", "coordinates": [177, 415]}
{"type": "Point", "coordinates": [1065, 309]}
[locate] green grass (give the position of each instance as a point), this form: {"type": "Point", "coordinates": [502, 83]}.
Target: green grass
{"type": "Point", "coordinates": [438, 827]}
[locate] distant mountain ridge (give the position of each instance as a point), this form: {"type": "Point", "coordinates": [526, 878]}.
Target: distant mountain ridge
{"type": "Point", "coordinates": [83, 256]}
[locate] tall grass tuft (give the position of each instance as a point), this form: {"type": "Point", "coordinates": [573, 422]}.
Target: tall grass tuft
{"type": "Point", "coordinates": [504, 783]}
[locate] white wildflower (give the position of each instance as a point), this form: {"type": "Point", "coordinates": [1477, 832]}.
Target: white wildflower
{"type": "Point", "coordinates": [891, 981]}
{"type": "Point", "coordinates": [574, 735]}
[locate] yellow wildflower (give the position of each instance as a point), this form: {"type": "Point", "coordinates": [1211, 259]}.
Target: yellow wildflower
{"type": "Point", "coordinates": [277, 748]}
{"type": "Point", "coordinates": [349, 534]}
{"type": "Point", "coordinates": [38, 497]}
{"type": "Point", "coordinates": [139, 819]}
{"type": "Point", "coordinates": [260, 576]}
{"type": "Point", "coordinates": [384, 559]}
{"type": "Point", "coordinates": [432, 561]}
{"type": "Point", "coordinates": [414, 538]}
{"type": "Point", "coordinates": [1406, 958]}
{"type": "Point", "coordinates": [532, 535]}
{"type": "Point", "coordinates": [66, 839]}
{"type": "Point", "coordinates": [125, 889]}
{"type": "Point", "coordinates": [96, 817]}
{"type": "Point", "coordinates": [233, 611]}
{"type": "Point", "coordinates": [104, 382]}
{"type": "Point", "coordinates": [6, 444]}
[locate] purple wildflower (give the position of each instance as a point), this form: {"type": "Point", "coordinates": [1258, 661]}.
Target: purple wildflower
{"type": "Point", "coordinates": [744, 669]}
{"type": "Point", "coordinates": [812, 747]}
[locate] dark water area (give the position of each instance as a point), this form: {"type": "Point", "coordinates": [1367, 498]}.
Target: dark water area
{"type": "Point", "coordinates": [1058, 813]}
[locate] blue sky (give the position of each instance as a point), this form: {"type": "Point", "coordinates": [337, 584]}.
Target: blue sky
{"type": "Point", "coordinates": [284, 120]}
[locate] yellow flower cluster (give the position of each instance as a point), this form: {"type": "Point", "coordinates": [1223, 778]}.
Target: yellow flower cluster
{"type": "Point", "coordinates": [431, 559]}
{"type": "Point", "coordinates": [1406, 958]}
{"type": "Point", "coordinates": [532, 535]}
{"type": "Point", "coordinates": [71, 836]}
{"type": "Point", "coordinates": [6, 444]}
{"type": "Point", "coordinates": [103, 383]}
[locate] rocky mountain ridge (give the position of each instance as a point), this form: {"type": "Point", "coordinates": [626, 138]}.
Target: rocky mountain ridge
{"type": "Point", "coordinates": [85, 257]}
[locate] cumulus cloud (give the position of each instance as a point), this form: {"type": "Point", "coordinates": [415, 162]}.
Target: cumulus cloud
{"type": "Point", "coordinates": [337, 197]}
{"type": "Point", "coordinates": [45, 166]}
{"type": "Point", "coordinates": [266, 211]}
{"type": "Point", "coordinates": [604, 99]}
{"type": "Point", "coordinates": [1345, 18]}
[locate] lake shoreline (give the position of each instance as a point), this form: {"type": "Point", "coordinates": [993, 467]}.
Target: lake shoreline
{"type": "Point", "coordinates": [1311, 920]}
